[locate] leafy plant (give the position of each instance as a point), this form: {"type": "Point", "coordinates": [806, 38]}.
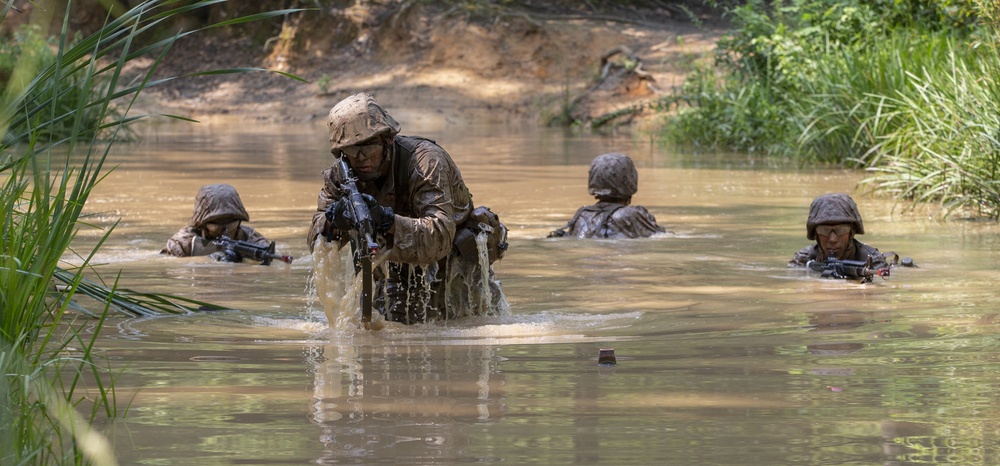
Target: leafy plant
{"type": "Point", "coordinates": [60, 118]}
{"type": "Point", "coordinates": [324, 83]}
{"type": "Point", "coordinates": [25, 44]}
{"type": "Point", "coordinates": [940, 138]}
{"type": "Point", "coordinates": [904, 89]}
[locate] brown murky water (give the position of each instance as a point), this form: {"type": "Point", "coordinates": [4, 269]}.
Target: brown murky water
{"type": "Point", "coordinates": [724, 355]}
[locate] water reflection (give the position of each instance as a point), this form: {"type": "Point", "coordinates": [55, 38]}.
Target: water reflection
{"type": "Point", "coordinates": [724, 355]}
{"type": "Point", "coordinates": [409, 402]}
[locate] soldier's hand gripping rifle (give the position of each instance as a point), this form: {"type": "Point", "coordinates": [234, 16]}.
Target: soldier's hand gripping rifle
{"type": "Point", "coordinates": [362, 233]}
{"type": "Point", "coordinates": [834, 268]}
{"type": "Point", "coordinates": [248, 250]}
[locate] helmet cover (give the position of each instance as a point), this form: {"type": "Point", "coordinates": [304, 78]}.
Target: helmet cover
{"type": "Point", "coordinates": [217, 202]}
{"type": "Point", "coordinates": [833, 209]}
{"type": "Point", "coordinates": [357, 119]}
{"type": "Point", "coordinates": [613, 175]}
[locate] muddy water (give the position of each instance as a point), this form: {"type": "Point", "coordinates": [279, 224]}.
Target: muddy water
{"type": "Point", "coordinates": [724, 356]}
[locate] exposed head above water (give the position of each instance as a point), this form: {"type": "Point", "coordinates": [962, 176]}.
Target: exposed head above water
{"type": "Point", "coordinates": [218, 203]}
{"type": "Point", "coordinates": [833, 209]}
{"type": "Point", "coordinates": [833, 222]}
{"type": "Point", "coordinates": [361, 129]}
{"type": "Point", "coordinates": [613, 178]}
{"type": "Point", "coordinates": [218, 211]}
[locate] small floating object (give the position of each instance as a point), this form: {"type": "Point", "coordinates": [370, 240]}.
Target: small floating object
{"type": "Point", "coordinates": [835, 389]}
{"type": "Point", "coordinates": [215, 358]}
{"type": "Point", "coordinates": [907, 262]}
{"type": "Point", "coordinates": [606, 357]}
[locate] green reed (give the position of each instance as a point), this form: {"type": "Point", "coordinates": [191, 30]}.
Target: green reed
{"type": "Point", "coordinates": [939, 136]}
{"type": "Point", "coordinates": [59, 120]}
{"type": "Point", "coordinates": [722, 114]}
{"type": "Point", "coordinates": [917, 106]}
{"type": "Point", "coordinates": [849, 88]}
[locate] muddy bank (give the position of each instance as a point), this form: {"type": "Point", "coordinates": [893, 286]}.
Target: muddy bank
{"type": "Point", "coordinates": [530, 68]}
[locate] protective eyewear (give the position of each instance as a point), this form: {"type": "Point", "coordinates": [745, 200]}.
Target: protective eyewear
{"type": "Point", "coordinates": [369, 150]}
{"type": "Point", "coordinates": [217, 229]}
{"type": "Point", "coordinates": [840, 230]}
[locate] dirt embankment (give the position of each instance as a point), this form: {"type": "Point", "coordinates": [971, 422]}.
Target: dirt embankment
{"type": "Point", "coordinates": [530, 67]}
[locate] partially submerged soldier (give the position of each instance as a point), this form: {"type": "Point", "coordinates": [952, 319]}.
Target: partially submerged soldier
{"type": "Point", "coordinates": [613, 180]}
{"type": "Point", "coordinates": [833, 221]}
{"type": "Point", "coordinates": [218, 212]}
{"type": "Point", "coordinates": [423, 215]}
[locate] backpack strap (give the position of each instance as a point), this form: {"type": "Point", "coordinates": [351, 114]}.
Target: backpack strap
{"type": "Point", "coordinates": [602, 232]}
{"type": "Point", "coordinates": [569, 226]}
{"type": "Point", "coordinates": [608, 212]}
{"type": "Point", "coordinates": [401, 168]}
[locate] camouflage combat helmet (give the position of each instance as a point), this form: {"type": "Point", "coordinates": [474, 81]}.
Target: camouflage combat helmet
{"type": "Point", "coordinates": [613, 175]}
{"type": "Point", "coordinates": [832, 209]}
{"type": "Point", "coordinates": [356, 119]}
{"type": "Point", "coordinates": [217, 202]}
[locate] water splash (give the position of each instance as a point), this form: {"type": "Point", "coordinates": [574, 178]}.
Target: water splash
{"type": "Point", "coordinates": [337, 287]}
{"type": "Point", "coordinates": [469, 289]}
{"type": "Point", "coordinates": [472, 289]}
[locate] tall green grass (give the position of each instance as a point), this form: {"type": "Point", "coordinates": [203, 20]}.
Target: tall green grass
{"type": "Point", "coordinates": [917, 105]}
{"type": "Point", "coordinates": [59, 119]}
{"type": "Point", "coordinates": [849, 90]}
{"type": "Point", "coordinates": [939, 136]}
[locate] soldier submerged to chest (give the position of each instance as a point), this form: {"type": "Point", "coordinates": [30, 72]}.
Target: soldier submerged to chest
{"type": "Point", "coordinates": [613, 180]}
{"type": "Point", "coordinates": [833, 222]}
{"type": "Point", "coordinates": [216, 229]}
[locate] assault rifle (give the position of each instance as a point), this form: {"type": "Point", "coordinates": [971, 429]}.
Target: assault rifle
{"type": "Point", "coordinates": [835, 268]}
{"type": "Point", "coordinates": [363, 244]}
{"type": "Point", "coordinates": [248, 250]}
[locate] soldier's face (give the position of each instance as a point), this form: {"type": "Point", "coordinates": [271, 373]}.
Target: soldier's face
{"type": "Point", "coordinates": [219, 228]}
{"type": "Point", "coordinates": [365, 159]}
{"type": "Point", "coordinates": [834, 239]}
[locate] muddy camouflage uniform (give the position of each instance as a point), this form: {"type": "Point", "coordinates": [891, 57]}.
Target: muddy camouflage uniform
{"type": "Point", "coordinates": [214, 202]}
{"type": "Point", "coordinates": [427, 276]}
{"type": "Point", "coordinates": [613, 180]}
{"type": "Point", "coordinates": [833, 209]}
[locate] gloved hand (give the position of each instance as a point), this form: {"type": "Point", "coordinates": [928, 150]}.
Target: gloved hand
{"type": "Point", "coordinates": [383, 217]}
{"type": "Point", "coordinates": [340, 216]}
{"type": "Point", "coordinates": [226, 255]}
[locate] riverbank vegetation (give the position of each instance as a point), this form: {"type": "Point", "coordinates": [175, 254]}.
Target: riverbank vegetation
{"type": "Point", "coordinates": [907, 90]}
{"type": "Point", "coordinates": [64, 104]}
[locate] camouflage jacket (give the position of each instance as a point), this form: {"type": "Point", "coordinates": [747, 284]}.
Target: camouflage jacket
{"type": "Point", "coordinates": [427, 193]}
{"type": "Point", "coordinates": [861, 252]}
{"type": "Point", "coordinates": [610, 220]}
{"type": "Point", "coordinates": [213, 202]}
{"type": "Point", "coordinates": [180, 244]}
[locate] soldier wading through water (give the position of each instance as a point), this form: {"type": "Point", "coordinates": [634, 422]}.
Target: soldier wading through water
{"type": "Point", "coordinates": [833, 221]}
{"type": "Point", "coordinates": [424, 217]}
{"type": "Point", "coordinates": [613, 180]}
{"type": "Point", "coordinates": [218, 212]}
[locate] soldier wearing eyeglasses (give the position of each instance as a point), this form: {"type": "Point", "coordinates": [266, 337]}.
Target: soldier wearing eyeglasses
{"type": "Point", "coordinates": [833, 222]}
{"type": "Point", "coordinates": [424, 216]}
{"type": "Point", "coordinates": [218, 212]}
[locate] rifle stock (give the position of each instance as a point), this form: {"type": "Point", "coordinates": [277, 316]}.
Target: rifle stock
{"type": "Point", "coordinates": [363, 245]}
